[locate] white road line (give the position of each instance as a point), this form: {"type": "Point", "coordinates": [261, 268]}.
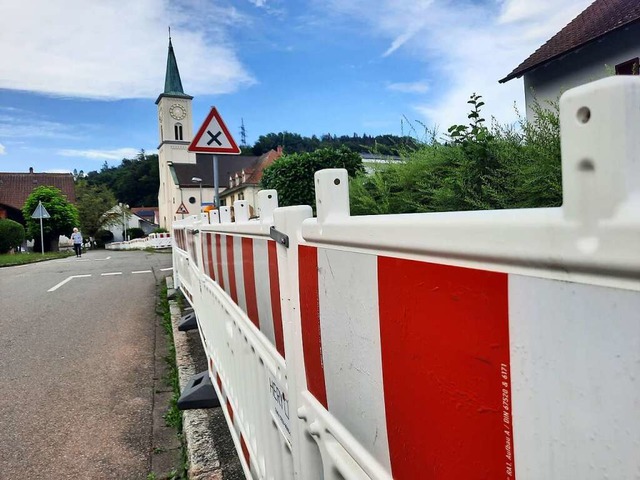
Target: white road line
{"type": "Point", "coordinates": [101, 259]}
{"type": "Point", "coordinates": [142, 271]}
{"type": "Point", "coordinates": [68, 279]}
{"type": "Point", "coordinates": [110, 273]}
{"type": "Point", "coordinates": [166, 269]}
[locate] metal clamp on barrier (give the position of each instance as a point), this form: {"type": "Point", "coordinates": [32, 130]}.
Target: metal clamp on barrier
{"type": "Point", "coordinates": [279, 237]}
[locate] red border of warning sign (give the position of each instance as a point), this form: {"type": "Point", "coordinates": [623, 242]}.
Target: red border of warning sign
{"type": "Point", "coordinates": [233, 150]}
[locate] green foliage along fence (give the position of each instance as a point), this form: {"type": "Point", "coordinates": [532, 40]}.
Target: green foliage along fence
{"type": "Point", "coordinates": [475, 167]}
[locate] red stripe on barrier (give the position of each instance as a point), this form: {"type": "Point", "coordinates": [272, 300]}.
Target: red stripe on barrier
{"type": "Point", "coordinates": [231, 265]}
{"type": "Point", "coordinates": [205, 263]}
{"type": "Point", "coordinates": [250, 281]}
{"type": "Point", "coordinates": [219, 261]}
{"type": "Point", "coordinates": [245, 451]}
{"type": "Point", "coordinates": [445, 360]}
{"type": "Point", "coordinates": [212, 273]}
{"type": "Point", "coordinates": [310, 318]}
{"type": "Point", "coordinates": [230, 410]}
{"type": "Point", "coordinates": [274, 280]}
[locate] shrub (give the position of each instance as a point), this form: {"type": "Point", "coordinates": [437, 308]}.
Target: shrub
{"type": "Point", "coordinates": [135, 232]}
{"type": "Point", "coordinates": [103, 237]}
{"type": "Point", "coordinates": [12, 235]}
{"type": "Point", "coordinates": [160, 230]}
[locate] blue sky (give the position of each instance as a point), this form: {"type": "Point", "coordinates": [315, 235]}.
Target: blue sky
{"type": "Point", "coordinates": [79, 78]}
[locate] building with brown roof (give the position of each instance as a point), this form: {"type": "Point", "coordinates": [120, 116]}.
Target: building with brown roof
{"type": "Point", "coordinates": [16, 187]}
{"type": "Point", "coordinates": [244, 184]}
{"type": "Point", "coordinates": [604, 39]}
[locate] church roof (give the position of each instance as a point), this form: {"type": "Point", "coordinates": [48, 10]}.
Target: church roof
{"type": "Point", "coordinates": [599, 19]}
{"type": "Point", "coordinates": [203, 168]}
{"type": "Point", "coordinates": [16, 187]}
{"type": "Point", "coordinates": [172, 82]}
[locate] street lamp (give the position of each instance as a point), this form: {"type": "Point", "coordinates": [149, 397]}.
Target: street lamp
{"type": "Point", "coordinates": [198, 180]}
{"type": "Point", "coordinates": [123, 207]}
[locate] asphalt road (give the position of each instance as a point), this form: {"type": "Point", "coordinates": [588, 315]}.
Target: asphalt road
{"type": "Point", "coordinates": [77, 365]}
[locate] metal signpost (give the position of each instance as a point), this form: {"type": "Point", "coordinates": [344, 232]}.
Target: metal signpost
{"type": "Point", "coordinates": [41, 212]}
{"type": "Point", "coordinates": [214, 137]}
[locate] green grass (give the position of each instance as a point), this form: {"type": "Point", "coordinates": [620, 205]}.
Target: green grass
{"type": "Point", "coordinates": [173, 416]}
{"type": "Point", "coordinates": [9, 260]}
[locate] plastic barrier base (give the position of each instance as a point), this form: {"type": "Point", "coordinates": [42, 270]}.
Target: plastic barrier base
{"type": "Point", "coordinates": [198, 393]}
{"type": "Point", "coordinates": [188, 322]}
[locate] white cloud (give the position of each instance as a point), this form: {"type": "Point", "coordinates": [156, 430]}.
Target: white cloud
{"type": "Point", "coordinates": [100, 50]}
{"type": "Point", "coordinates": [3, 151]}
{"type": "Point", "coordinates": [467, 46]}
{"type": "Point", "coordinates": [116, 154]}
{"type": "Point", "coordinates": [258, 3]}
{"type": "Point", "coordinates": [409, 87]}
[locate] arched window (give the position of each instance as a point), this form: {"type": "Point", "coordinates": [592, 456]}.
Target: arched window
{"type": "Point", "coordinates": [178, 131]}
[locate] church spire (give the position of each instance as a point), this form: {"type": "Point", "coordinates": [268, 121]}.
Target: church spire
{"type": "Point", "coordinates": [172, 82]}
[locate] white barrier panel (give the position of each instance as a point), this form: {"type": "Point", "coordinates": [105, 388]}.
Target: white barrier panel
{"type": "Point", "coordinates": [154, 240]}
{"type": "Point", "coordinates": [493, 344]}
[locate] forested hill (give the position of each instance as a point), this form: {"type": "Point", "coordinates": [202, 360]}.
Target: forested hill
{"type": "Point", "coordinates": [295, 143]}
{"type": "Point", "coordinates": [136, 181]}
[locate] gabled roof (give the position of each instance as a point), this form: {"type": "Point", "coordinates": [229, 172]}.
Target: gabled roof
{"type": "Point", "coordinates": [172, 82]}
{"type": "Point", "coordinates": [203, 168]}
{"type": "Point", "coordinates": [600, 18]}
{"type": "Point", "coordinates": [16, 187]}
{"type": "Point", "coordinates": [253, 173]}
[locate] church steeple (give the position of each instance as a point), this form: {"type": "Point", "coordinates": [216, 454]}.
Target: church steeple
{"type": "Point", "coordinates": [172, 82]}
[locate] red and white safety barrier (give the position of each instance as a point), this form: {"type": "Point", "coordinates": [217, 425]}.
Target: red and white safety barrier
{"type": "Point", "coordinates": [492, 344]}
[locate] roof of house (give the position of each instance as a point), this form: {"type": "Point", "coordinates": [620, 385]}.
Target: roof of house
{"type": "Point", "coordinates": [16, 187]}
{"type": "Point", "coordinates": [599, 18]}
{"type": "Point", "coordinates": [145, 211]}
{"type": "Point", "coordinates": [203, 168]}
{"type": "Point", "coordinates": [253, 173]}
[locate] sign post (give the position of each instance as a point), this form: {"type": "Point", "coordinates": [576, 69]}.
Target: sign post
{"type": "Point", "coordinates": [41, 212]}
{"type": "Point", "coordinates": [214, 137]}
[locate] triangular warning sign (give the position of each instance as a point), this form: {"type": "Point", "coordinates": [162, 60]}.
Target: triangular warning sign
{"type": "Point", "coordinates": [40, 212]}
{"type": "Point", "coordinates": [182, 209]}
{"type": "Point", "coordinates": [214, 137]}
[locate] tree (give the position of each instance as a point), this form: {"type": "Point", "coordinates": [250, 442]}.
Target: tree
{"type": "Point", "coordinates": [11, 235]}
{"type": "Point", "coordinates": [93, 201]}
{"type": "Point", "coordinates": [292, 175]}
{"type": "Point", "coordinates": [64, 216]}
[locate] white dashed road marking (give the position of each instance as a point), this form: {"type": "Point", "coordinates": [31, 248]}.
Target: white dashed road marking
{"type": "Point", "coordinates": [110, 273]}
{"type": "Point", "coordinates": [142, 271]}
{"type": "Point", "coordinates": [166, 269]}
{"type": "Point", "coordinates": [52, 289]}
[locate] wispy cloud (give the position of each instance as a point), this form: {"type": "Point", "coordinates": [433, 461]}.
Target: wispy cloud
{"type": "Point", "coordinates": [115, 154]}
{"type": "Point", "coordinates": [409, 87]}
{"type": "Point", "coordinates": [259, 3]}
{"type": "Point", "coordinates": [17, 123]}
{"type": "Point", "coordinates": [3, 151]}
{"type": "Point", "coordinates": [93, 50]}
{"type": "Point", "coordinates": [468, 46]}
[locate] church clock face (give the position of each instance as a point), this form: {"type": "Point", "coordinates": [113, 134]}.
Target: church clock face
{"type": "Point", "coordinates": [177, 111]}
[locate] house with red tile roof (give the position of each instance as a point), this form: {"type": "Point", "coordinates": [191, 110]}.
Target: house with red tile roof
{"type": "Point", "coordinates": [16, 187]}
{"type": "Point", "coordinates": [244, 184]}
{"type": "Point", "coordinates": [603, 40]}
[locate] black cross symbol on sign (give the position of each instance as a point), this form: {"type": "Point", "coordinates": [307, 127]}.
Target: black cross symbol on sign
{"type": "Point", "coordinates": [214, 138]}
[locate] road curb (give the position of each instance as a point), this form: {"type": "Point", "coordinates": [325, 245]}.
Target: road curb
{"type": "Point", "coordinates": [210, 450]}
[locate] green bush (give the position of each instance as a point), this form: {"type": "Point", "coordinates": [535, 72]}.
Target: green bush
{"type": "Point", "coordinates": [474, 168]}
{"type": "Point", "coordinates": [135, 232]}
{"type": "Point", "coordinates": [160, 230]}
{"type": "Point", "coordinates": [103, 237]}
{"type": "Point", "coordinates": [12, 235]}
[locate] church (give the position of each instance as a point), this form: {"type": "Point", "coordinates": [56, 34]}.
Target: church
{"type": "Point", "coordinates": [186, 178]}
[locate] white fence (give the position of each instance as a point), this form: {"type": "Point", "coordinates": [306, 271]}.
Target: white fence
{"type": "Point", "coordinates": [154, 240]}
{"type": "Point", "coordinates": [492, 344]}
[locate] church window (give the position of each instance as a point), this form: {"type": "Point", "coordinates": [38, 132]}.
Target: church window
{"type": "Point", "coordinates": [178, 131]}
{"type": "Point", "coordinates": [241, 196]}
